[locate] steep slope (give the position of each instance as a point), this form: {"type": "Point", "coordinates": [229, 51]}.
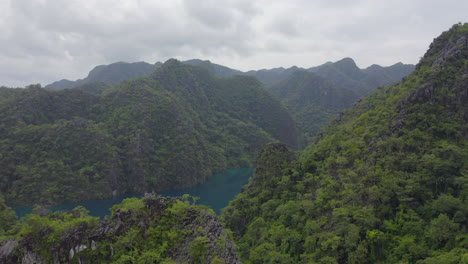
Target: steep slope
{"type": "Point", "coordinates": [344, 75]}
{"type": "Point", "coordinates": [150, 230]}
{"type": "Point", "coordinates": [313, 100]}
{"type": "Point", "coordinates": [171, 130]}
{"type": "Point", "coordinates": [316, 95]}
{"type": "Point", "coordinates": [386, 183]}
{"type": "Point", "coordinates": [109, 74]}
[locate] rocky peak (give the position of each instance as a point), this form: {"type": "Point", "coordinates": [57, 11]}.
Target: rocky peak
{"type": "Point", "coordinates": [444, 79]}
{"type": "Point", "coordinates": [448, 47]}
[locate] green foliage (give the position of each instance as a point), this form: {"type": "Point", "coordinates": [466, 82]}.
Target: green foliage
{"type": "Point", "coordinates": [312, 99]}
{"type": "Point", "coordinates": [384, 184]}
{"type": "Point", "coordinates": [140, 231]}
{"type": "Point", "coordinates": [7, 218]}
{"type": "Point", "coordinates": [199, 249]}
{"type": "Point", "coordinates": [133, 204]}
{"type": "Point", "coordinates": [172, 129]}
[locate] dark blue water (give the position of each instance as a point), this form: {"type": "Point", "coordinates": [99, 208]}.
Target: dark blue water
{"type": "Point", "coordinates": [216, 193]}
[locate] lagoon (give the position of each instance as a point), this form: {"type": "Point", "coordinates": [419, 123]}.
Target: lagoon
{"type": "Point", "coordinates": [216, 193]}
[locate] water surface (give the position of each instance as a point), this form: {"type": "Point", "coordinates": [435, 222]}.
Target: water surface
{"type": "Point", "coordinates": [216, 193]}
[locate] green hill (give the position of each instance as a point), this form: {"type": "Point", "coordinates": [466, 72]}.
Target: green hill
{"type": "Point", "coordinates": [346, 74]}
{"type": "Point", "coordinates": [316, 95]}
{"type": "Point", "coordinates": [172, 129]}
{"type": "Point", "coordinates": [385, 183]}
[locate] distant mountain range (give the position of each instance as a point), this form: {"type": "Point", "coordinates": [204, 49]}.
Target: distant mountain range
{"type": "Point", "coordinates": [343, 72]}
{"type": "Point", "coordinates": [313, 96]}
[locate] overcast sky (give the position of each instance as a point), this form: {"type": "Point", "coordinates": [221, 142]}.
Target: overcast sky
{"type": "Point", "coordinates": [42, 41]}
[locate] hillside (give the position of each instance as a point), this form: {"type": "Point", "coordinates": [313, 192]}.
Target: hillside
{"type": "Point", "coordinates": [316, 95]}
{"type": "Point", "coordinates": [345, 80]}
{"type": "Point", "coordinates": [387, 182]}
{"type": "Point", "coordinates": [170, 130]}
{"type": "Point", "coordinates": [346, 74]}
{"type": "Point", "coordinates": [313, 100]}
{"type": "Point", "coordinates": [149, 230]}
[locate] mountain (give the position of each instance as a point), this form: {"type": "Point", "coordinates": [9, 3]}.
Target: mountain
{"type": "Point", "coordinates": [317, 95]}
{"type": "Point", "coordinates": [387, 182]}
{"type": "Point", "coordinates": [149, 230]}
{"type": "Point", "coordinates": [270, 77]}
{"type": "Point", "coordinates": [312, 99]}
{"type": "Point", "coordinates": [121, 71]}
{"type": "Point", "coordinates": [349, 82]}
{"type": "Point", "coordinates": [379, 76]}
{"type": "Point", "coordinates": [109, 74]}
{"type": "Point", "coordinates": [346, 74]}
{"type": "Point", "coordinates": [172, 129]}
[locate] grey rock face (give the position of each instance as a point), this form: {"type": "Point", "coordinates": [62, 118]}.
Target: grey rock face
{"type": "Point", "coordinates": [452, 50]}
{"type": "Point", "coordinates": [82, 238]}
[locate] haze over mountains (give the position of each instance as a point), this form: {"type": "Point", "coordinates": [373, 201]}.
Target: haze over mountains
{"type": "Point", "coordinates": [339, 71]}
{"type": "Point", "coordinates": [313, 96]}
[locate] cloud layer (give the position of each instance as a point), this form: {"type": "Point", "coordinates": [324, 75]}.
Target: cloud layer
{"type": "Point", "coordinates": [42, 41]}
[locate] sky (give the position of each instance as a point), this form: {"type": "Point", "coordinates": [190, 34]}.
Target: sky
{"type": "Point", "coordinates": [42, 41]}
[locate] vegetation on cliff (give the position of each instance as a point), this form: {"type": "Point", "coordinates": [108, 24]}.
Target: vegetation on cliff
{"type": "Point", "coordinates": [148, 230]}
{"type": "Point", "coordinates": [386, 183]}
{"type": "Point", "coordinates": [172, 129]}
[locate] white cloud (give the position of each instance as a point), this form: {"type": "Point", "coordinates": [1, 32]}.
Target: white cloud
{"type": "Point", "coordinates": [47, 40]}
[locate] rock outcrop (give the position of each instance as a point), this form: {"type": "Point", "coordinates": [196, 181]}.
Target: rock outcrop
{"type": "Point", "coordinates": [85, 244]}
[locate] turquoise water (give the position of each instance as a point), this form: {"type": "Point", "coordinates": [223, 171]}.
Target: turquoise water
{"type": "Point", "coordinates": [216, 193]}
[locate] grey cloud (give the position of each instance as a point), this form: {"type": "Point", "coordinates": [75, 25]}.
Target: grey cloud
{"type": "Point", "coordinates": [47, 40]}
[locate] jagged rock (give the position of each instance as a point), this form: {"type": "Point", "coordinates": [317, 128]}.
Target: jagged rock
{"type": "Point", "coordinates": [452, 94]}
{"type": "Point", "coordinates": [6, 251]}
{"type": "Point", "coordinates": [31, 258]}
{"type": "Point", "coordinates": [83, 239]}
{"type": "Point", "coordinates": [452, 50]}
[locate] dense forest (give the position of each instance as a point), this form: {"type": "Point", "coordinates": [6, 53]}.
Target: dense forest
{"type": "Point", "coordinates": [172, 129]}
{"type": "Point", "coordinates": [178, 123]}
{"type": "Point", "coordinates": [313, 96]}
{"type": "Point", "coordinates": [385, 183]}
{"type": "Point", "coordinates": [316, 95]}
